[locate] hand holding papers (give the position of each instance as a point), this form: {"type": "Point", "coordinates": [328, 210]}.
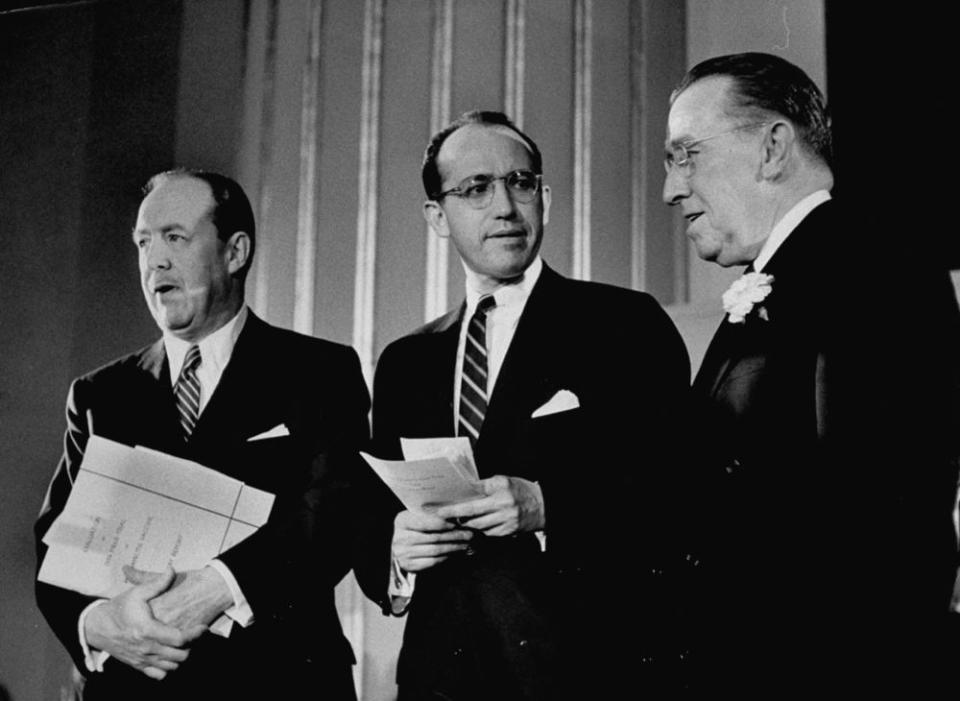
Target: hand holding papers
{"type": "Point", "coordinates": [141, 507]}
{"type": "Point", "coordinates": [436, 472]}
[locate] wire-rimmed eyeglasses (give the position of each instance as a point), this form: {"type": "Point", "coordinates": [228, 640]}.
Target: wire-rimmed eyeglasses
{"type": "Point", "coordinates": [477, 190]}
{"type": "Point", "coordinates": [678, 155]}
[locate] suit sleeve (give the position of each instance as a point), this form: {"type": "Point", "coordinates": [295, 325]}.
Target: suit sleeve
{"type": "Point", "coordinates": [61, 607]}
{"type": "Point", "coordinates": [307, 541]}
{"type": "Point", "coordinates": [375, 532]}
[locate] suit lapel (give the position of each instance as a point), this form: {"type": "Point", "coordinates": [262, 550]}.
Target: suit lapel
{"type": "Point", "coordinates": [523, 381]}
{"type": "Point", "coordinates": [161, 427]}
{"type": "Point", "coordinates": [726, 348]}
{"type": "Point", "coordinates": [438, 371]}
{"type": "Point", "coordinates": [244, 388]}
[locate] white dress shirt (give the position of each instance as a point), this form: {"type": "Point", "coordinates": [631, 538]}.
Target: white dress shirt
{"type": "Point", "coordinates": [215, 352]}
{"type": "Point", "coordinates": [502, 323]}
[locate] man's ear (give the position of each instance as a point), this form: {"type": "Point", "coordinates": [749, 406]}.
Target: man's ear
{"type": "Point", "coordinates": [237, 251]}
{"type": "Point", "coordinates": [546, 198]}
{"type": "Point", "coordinates": [778, 150]}
{"type": "Point", "coordinates": [436, 218]}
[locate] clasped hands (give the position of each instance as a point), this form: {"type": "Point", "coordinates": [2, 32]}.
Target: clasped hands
{"type": "Point", "coordinates": [509, 505]}
{"type": "Point", "coordinates": [151, 625]}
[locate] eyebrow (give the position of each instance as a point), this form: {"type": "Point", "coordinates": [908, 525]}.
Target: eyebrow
{"type": "Point", "coordinates": [163, 230]}
{"type": "Point", "coordinates": [678, 141]}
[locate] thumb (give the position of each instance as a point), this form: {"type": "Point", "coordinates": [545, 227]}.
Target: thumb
{"type": "Point", "coordinates": [137, 576]}
{"type": "Point", "coordinates": [155, 584]}
{"type": "Point", "coordinates": [494, 484]}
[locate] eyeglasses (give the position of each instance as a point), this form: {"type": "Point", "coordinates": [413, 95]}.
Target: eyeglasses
{"type": "Point", "coordinates": [477, 190]}
{"type": "Point", "coordinates": [679, 155]}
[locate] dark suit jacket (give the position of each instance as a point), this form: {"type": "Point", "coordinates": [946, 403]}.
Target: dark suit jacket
{"type": "Point", "coordinates": [827, 470]}
{"type": "Point", "coordinates": [509, 621]}
{"type": "Point", "coordinates": [288, 569]}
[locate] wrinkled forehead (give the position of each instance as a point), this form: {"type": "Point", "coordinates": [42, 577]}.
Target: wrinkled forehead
{"type": "Point", "coordinates": [699, 111]}
{"type": "Point", "coordinates": [482, 148]}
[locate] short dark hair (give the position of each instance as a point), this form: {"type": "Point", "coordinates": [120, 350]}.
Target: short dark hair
{"type": "Point", "coordinates": [765, 84]}
{"type": "Point", "coordinates": [430, 173]}
{"type": "Point", "coordinates": [231, 210]}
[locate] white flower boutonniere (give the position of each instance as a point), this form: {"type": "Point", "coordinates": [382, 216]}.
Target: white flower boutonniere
{"type": "Point", "coordinates": [746, 292]}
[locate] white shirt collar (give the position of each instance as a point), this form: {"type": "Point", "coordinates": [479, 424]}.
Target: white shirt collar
{"type": "Point", "coordinates": [787, 224]}
{"type": "Point", "coordinates": [215, 349]}
{"type": "Point", "coordinates": [508, 294]}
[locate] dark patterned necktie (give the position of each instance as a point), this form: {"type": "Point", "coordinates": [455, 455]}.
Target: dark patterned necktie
{"type": "Point", "coordinates": [187, 392]}
{"type": "Point", "coordinates": [473, 377]}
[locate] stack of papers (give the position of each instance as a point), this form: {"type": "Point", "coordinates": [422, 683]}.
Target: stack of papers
{"type": "Point", "coordinates": [435, 472]}
{"type": "Point", "coordinates": [141, 507]}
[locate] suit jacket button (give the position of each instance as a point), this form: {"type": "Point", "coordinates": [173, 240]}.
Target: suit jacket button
{"type": "Point", "coordinates": [457, 652]}
{"type": "Point", "coordinates": [734, 464]}
{"type": "Point", "coordinates": [523, 643]}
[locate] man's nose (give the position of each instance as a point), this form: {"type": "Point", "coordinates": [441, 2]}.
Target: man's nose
{"type": "Point", "coordinates": [157, 254]}
{"type": "Point", "coordinates": [502, 203]}
{"type": "Point", "coordinates": [675, 186]}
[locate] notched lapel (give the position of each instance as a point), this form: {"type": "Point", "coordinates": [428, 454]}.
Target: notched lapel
{"type": "Point", "coordinates": [527, 379]}
{"type": "Point", "coordinates": [731, 344]}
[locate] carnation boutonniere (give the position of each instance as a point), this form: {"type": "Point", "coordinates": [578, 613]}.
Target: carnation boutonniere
{"type": "Point", "coordinates": [746, 292]}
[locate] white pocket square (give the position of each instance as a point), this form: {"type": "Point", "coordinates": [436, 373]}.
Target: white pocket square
{"type": "Point", "coordinates": [564, 400]}
{"type": "Point", "coordinates": [277, 431]}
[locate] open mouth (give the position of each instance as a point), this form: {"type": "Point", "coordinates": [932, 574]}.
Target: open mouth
{"type": "Point", "coordinates": [512, 234]}
{"type": "Point", "coordinates": [163, 288]}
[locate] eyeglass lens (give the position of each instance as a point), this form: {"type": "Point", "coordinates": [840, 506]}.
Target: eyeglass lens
{"type": "Point", "coordinates": [478, 190]}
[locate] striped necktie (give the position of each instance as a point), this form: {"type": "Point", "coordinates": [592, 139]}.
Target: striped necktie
{"type": "Point", "coordinates": [187, 392]}
{"type": "Point", "coordinates": [473, 379]}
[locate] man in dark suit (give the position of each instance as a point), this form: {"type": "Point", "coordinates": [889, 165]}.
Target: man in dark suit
{"type": "Point", "coordinates": [277, 410]}
{"type": "Point", "coordinates": [827, 398]}
{"type": "Point", "coordinates": [569, 393]}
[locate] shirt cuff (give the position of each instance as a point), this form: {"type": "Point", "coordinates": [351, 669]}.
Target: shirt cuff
{"type": "Point", "coordinates": [93, 659]}
{"type": "Point", "coordinates": [400, 589]}
{"type": "Point", "coordinates": [240, 611]}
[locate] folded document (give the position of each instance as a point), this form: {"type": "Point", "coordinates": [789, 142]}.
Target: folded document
{"type": "Point", "coordinates": [141, 507]}
{"type": "Point", "coordinates": [437, 471]}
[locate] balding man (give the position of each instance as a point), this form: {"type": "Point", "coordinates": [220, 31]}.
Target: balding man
{"type": "Point", "coordinates": [569, 391]}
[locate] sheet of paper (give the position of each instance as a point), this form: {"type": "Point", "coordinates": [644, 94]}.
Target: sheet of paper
{"type": "Point", "coordinates": [139, 507]}
{"type": "Point", "coordinates": [457, 450]}
{"type": "Point", "coordinates": [427, 484]}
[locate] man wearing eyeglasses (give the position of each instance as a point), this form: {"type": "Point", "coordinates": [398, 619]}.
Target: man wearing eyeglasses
{"type": "Point", "coordinates": [568, 391]}
{"type": "Point", "coordinates": [826, 471]}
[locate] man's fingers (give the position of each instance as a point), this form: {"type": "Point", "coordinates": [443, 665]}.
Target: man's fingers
{"type": "Point", "coordinates": [156, 585]}
{"type": "Point", "coordinates": [166, 636]}
{"type": "Point", "coordinates": [191, 634]}
{"type": "Point", "coordinates": [425, 556]}
{"type": "Point", "coordinates": [420, 521]}
{"type": "Point", "coordinates": [414, 538]}
{"type": "Point", "coordinates": [495, 484]}
{"type": "Point", "coordinates": [467, 509]}
{"type": "Point", "coordinates": [485, 522]}
{"type": "Point", "coordinates": [154, 673]}
{"type": "Point", "coordinates": [423, 563]}
{"type": "Point", "coordinates": [427, 551]}
{"type": "Point", "coordinates": [171, 657]}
